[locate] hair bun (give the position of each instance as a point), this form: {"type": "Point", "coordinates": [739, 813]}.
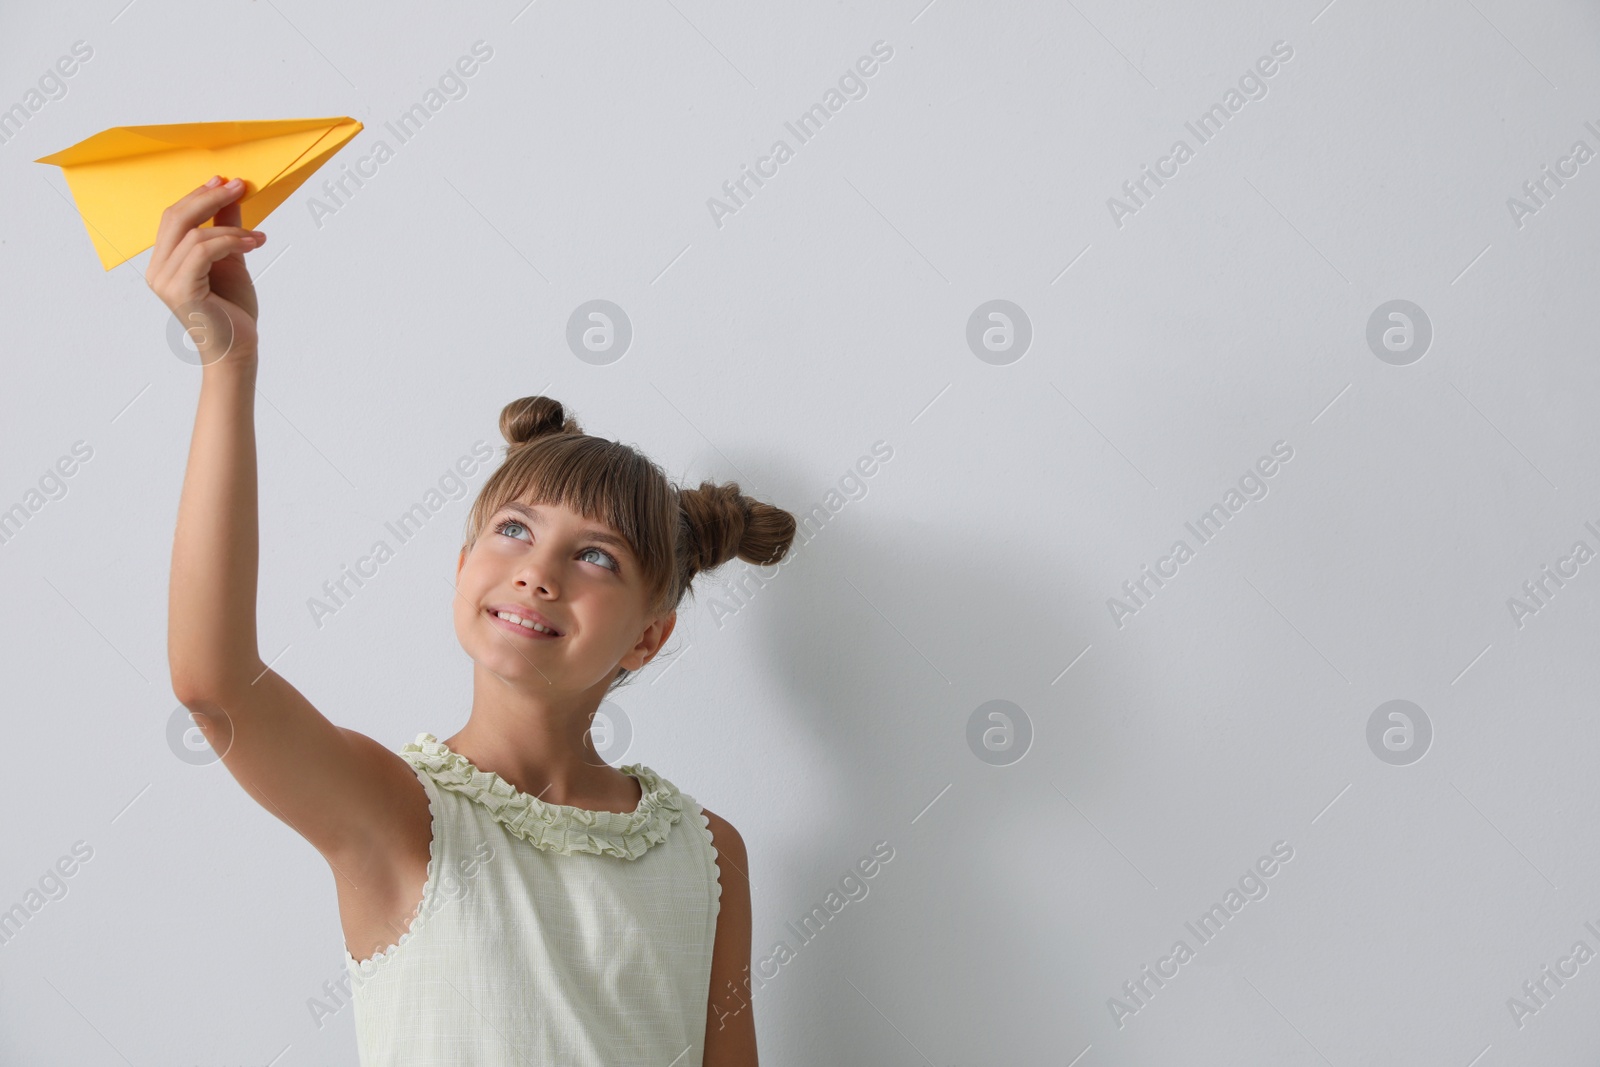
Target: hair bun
{"type": "Point", "coordinates": [531, 417]}
{"type": "Point", "coordinates": [724, 523]}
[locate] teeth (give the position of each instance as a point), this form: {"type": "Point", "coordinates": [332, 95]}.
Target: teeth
{"type": "Point", "coordinates": [520, 621]}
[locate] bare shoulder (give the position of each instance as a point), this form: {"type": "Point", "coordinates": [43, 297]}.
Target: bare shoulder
{"type": "Point", "coordinates": [728, 843]}
{"type": "Point", "coordinates": [401, 791]}
{"type": "Point", "coordinates": [362, 806]}
{"type": "Point", "coordinates": [730, 1039]}
{"type": "Point", "coordinates": [380, 878]}
{"type": "Point", "coordinates": [390, 861]}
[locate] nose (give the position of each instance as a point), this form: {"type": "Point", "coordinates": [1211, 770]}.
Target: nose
{"type": "Point", "coordinates": [537, 573]}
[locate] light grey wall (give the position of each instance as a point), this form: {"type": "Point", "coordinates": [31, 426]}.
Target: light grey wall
{"type": "Point", "coordinates": [1153, 366]}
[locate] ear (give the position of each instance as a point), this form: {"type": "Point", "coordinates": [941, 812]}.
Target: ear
{"type": "Point", "coordinates": [655, 635]}
{"type": "Point", "coordinates": [460, 562]}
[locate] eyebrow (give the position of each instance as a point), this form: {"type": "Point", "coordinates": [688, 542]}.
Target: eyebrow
{"type": "Point", "coordinates": [591, 532]}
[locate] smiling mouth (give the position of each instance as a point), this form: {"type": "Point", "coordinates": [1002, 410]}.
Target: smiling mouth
{"type": "Point", "coordinates": [522, 629]}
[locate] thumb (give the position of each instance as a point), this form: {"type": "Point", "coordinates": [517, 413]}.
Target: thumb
{"type": "Point", "coordinates": [228, 214]}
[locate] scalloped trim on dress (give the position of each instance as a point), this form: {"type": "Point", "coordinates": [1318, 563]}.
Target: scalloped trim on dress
{"type": "Point", "coordinates": [368, 967]}
{"type": "Point", "coordinates": [559, 828]}
{"type": "Point", "coordinates": [716, 867]}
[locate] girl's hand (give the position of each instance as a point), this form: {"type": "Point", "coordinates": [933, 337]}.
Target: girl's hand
{"type": "Point", "coordinates": [199, 272]}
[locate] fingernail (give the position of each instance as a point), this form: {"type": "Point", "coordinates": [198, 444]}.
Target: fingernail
{"type": "Point", "coordinates": [235, 183]}
{"type": "Point", "coordinates": [214, 182]}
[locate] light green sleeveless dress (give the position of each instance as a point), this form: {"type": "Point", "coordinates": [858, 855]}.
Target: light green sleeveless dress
{"type": "Point", "coordinates": [546, 934]}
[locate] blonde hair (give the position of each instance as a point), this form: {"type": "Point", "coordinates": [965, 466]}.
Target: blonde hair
{"type": "Point", "coordinates": [676, 533]}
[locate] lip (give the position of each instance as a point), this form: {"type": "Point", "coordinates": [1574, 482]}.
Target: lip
{"type": "Point", "coordinates": [525, 612]}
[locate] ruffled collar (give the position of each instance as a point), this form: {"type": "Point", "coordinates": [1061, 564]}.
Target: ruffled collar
{"type": "Point", "coordinates": [558, 828]}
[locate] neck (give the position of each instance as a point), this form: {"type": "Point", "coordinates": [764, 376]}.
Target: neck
{"type": "Point", "coordinates": [540, 744]}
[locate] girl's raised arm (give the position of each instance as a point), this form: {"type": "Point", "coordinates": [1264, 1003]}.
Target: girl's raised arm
{"type": "Point", "coordinates": [359, 804]}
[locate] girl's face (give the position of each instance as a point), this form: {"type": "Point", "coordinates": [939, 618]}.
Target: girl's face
{"type": "Point", "coordinates": [550, 565]}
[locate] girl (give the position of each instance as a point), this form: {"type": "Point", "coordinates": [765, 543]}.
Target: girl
{"type": "Point", "coordinates": [550, 909]}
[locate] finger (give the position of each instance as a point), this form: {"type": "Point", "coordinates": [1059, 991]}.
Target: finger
{"type": "Point", "coordinates": [175, 266]}
{"type": "Point", "coordinates": [223, 246]}
{"type": "Point", "coordinates": [238, 240]}
{"type": "Point", "coordinates": [229, 215]}
{"type": "Point", "coordinates": [206, 233]}
{"type": "Point", "coordinates": [190, 211]}
{"type": "Point", "coordinates": [190, 278]}
{"type": "Point", "coordinates": [197, 261]}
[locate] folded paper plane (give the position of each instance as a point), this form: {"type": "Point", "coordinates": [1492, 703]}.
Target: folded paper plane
{"type": "Point", "coordinates": [123, 178]}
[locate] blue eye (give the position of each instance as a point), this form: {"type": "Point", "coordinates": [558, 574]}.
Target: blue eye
{"type": "Point", "coordinates": [614, 566]}
{"type": "Point", "coordinates": [500, 527]}
{"type": "Point", "coordinates": [504, 524]}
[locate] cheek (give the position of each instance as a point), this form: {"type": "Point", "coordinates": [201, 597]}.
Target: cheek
{"type": "Point", "coordinates": [464, 600]}
{"type": "Point", "coordinates": [460, 617]}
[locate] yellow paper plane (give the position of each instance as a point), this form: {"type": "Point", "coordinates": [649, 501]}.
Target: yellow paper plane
{"type": "Point", "coordinates": [123, 178]}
